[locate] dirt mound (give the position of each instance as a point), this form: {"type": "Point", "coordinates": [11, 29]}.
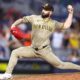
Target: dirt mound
{"type": "Point", "coordinates": [65, 76]}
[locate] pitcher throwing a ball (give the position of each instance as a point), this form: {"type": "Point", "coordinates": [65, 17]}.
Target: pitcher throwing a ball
{"type": "Point", "coordinates": [42, 28]}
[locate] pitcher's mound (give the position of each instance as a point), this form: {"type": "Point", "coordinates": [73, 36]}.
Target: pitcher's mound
{"type": "Point", "coordinates": [65, 76]}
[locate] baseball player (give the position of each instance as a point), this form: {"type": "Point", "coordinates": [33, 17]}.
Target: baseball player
{"type": "Point", "coordinates": [42, 27]}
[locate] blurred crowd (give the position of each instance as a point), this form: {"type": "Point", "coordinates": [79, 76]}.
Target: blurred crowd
{"type": "Point", "coordinates": [66, 44]}
{"type": "Point", "coordinates": [67, 41]}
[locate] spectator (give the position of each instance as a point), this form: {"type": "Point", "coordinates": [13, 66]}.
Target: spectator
{"type": "Point", "coordinates": [57, 39]}
{"type": "Point", "coordinates": [66, 40]}
{"type": "Point", "coordinates": [2, 52]}
{"type": "Point", "coordinates": [74, 41]}
{"type": "Point", "coordinates": [12, 43]}
{"type": "Point", "coordinates": [3, 43]}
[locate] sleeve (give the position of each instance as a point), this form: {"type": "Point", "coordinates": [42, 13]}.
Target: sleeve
{"type": "Point", "coordinates": [28, 19]}
{"type": "Point", "coordinates": [59, 25]}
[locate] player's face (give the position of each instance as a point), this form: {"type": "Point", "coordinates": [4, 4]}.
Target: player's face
{"type": "Point", "coordinates": [46, 14]}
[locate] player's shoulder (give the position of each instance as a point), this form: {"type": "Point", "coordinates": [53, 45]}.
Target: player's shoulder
{"type": "Point", "coordinates": [30, 17]}
{"type": "Point", "coordinates": [34, 16]}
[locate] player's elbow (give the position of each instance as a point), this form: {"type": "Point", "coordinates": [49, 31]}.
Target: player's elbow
{"type": "Point", "coordinates": [66, 26]}
{"type": "Point", "coordinates": [17, 22]}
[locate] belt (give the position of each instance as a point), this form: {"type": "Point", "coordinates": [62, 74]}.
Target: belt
{"type": "Point", "coordinates": [40, 48]}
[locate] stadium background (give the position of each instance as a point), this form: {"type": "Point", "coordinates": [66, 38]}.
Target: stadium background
{"type": "Point", "coordinates": [67, 49]}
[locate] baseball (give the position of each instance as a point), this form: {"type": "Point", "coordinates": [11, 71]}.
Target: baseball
{"type": "Point", "coordinates": [70, 7]}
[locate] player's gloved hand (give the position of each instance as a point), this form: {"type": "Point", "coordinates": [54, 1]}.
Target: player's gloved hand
{"type": "Point", "coordinates": [17, 33]}
{"type": "Point", "coordinates": [20, 35]}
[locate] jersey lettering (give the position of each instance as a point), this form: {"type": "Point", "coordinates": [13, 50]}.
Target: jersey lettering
{"type": "Point", "coordinates": [41, 26]}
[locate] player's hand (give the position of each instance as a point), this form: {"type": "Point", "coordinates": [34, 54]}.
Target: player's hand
{"type": "Point", "coordinates": [70, 9]}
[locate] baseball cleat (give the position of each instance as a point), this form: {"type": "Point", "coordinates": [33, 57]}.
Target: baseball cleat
{"type": "Point", "coordinates": [5, 76]}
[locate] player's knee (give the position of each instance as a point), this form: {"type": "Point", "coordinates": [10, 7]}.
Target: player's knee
{"type": "Point", "coordinates": [61, 65]}
{"type": "Point", "coordinates": [14, 53]}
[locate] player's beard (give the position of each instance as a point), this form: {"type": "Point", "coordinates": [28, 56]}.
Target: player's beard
{"type": "Point", "coordinates": [45, 15]}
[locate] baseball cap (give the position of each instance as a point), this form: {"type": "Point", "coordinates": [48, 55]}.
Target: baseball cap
{"type": "Point", "coordinates": [48, 7]}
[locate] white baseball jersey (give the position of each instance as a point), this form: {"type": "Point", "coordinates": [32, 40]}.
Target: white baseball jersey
{"type": "Point", "coordinates": [42, 29]}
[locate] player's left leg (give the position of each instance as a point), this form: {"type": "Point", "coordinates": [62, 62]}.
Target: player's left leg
{"type": "Point", "coordinates": [21, 52]}
{"type": "Point", "coordinates": [50, 57]}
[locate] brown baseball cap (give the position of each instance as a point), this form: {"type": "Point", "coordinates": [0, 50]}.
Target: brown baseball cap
{"type": "Point", "coordinates": [48, 7]}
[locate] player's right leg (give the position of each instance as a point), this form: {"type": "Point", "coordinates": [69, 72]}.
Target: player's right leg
{"type": "Point", "coordinates": [15, 55]}
{"type": "Point", "coordinates": [56, 62]}
{"type": "Point", "coordinates": [50, 57]}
